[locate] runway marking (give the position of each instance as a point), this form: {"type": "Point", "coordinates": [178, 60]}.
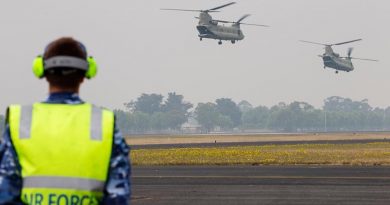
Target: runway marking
{"type": "Point", "coordinates": [261, 177]}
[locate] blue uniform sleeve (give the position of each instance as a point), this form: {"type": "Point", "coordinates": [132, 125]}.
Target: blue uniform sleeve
{"type": "Point", "coordinates": [117, 190]}
{"type": "Point", "coordinates": [10, 172]}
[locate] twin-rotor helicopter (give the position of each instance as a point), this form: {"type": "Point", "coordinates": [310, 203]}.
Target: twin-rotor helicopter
{"type": "Point", "coordinates": [210, 28]}
{"type": "Point", "coordinates": [334, 60]}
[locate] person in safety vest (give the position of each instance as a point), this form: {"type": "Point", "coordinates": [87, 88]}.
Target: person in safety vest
{"type": "Point", "coordinates": [63, 151]}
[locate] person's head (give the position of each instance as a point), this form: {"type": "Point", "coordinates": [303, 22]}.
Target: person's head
{"type": "Point", "coordinates": [64, 78]}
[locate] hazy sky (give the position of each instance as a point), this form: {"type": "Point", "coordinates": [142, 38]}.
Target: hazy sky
{"type": "Point", "coordinates": [141, 49]}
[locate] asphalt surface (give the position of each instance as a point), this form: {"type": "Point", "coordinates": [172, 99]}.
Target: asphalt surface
{"type": "Point", "coordinates": [261, 185]}
{"type": "Point", "coordinates": [227, 144]}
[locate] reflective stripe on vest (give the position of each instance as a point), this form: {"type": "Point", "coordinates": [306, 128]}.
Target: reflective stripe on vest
{"type": "Point", "coordinates": [25, 122]}
{"type": "Point", "coordinates": [26, 117]}
{"type": "Point", "coordinates": [96, 124]}
{"type": "Point", "coordinates": [64, 151]}
{"type": "Point", "coordinates": [63, 183]}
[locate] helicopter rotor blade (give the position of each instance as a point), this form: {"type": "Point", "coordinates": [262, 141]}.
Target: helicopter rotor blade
{"type": "Point", "coordinates": [337, 44]}
{"type": "Point", "coordinates": [239, 22]}
{"type": "Point", "coordinates": [251, 24]}
{"type": "Point", "coordinates": [350, 50]}
{"type": "Point", "coordinates": [314, 43]}
{"type": "Point", "coordinates": [220, 7]}
{"type": "Point", "coordinates": [181, 10]}
{"type": "Point", "coordinates": [365, 59]}
{"type": "Point", "coordinates": [247, 24]}
{"type": "Point", "coordinates": [243, 17]}
{"type": "Point", "coordinates": [194, 10]}
{"type": "Point", "coordinates": [222, 21]}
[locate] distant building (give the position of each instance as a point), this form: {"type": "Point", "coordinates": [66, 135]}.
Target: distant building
{"type": "Point", "coordinates": [191, 127]}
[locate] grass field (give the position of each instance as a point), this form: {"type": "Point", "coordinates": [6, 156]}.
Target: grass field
{"type": "Point", "coordinates": [371, 154]}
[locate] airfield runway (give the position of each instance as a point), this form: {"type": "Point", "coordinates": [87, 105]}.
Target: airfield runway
{"type": "Point", "coordinates": [260, 185]}
{"type": "Point", "coordinates": [225, 185]}
{"type": "Point", "coordinates": [233, 144]}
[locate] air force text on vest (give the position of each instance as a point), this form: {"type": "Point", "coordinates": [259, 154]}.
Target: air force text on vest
{"type": "Point", "coordinates": [59, 199]}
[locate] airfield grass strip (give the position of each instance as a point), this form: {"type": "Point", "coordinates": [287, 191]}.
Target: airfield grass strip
{"type": "Point", "coordinates": [370, 154]}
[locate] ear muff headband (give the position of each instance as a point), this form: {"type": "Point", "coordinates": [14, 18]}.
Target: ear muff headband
{"type": "Point", "coordinates": [89, 65]}
{"type": "Point", "coordinates": [66, 61]}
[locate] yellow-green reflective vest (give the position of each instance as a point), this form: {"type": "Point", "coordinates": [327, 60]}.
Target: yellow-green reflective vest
{"type": "Point", "coordinates": [64, 152]}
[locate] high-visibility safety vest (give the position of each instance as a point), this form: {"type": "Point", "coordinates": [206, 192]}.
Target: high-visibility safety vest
{"type": "Point", "coordinates": [64, 152]}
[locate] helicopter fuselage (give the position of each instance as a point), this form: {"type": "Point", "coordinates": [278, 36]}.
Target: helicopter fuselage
{"type": "Point", "coordinates": [337, 63]}
{"type": "Point", "coordinates": [226, 33]}
{"type": "Point", "coordinates": [333, 60]}
{"type": "Point", "coordinates": [209, 28]}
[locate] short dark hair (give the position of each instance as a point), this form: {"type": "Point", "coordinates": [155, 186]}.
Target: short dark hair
{"type": "Point", "coordinates": [65, 46]}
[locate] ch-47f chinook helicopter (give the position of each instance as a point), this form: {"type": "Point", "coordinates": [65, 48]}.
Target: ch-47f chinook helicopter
{"type": "Point", "coordinates": [334, 60]}
{"type": "Point", "coordinates": [209, 28]}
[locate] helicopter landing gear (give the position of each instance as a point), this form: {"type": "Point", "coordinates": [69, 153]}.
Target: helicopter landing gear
{"type": "Point", "coordinates": [201, 39]}
{"type": "Point", "coordinates": [233, 41]}
{"type": "Point", "coordinates": [219, 42]}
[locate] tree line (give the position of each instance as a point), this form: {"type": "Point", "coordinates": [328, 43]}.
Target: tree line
{"type": "Point", "coordinates": [150, 113]}
{"type": "Point", "coordinates": [153, 113]}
